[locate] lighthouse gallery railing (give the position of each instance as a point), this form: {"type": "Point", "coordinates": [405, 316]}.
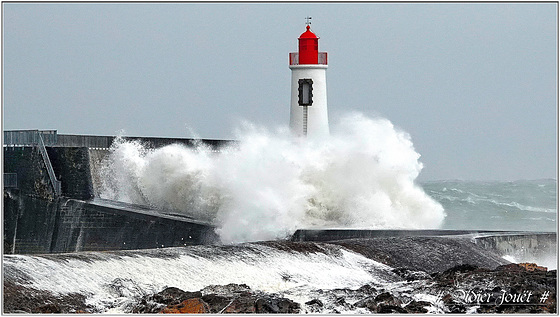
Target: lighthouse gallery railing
{"type": "Point", "coordinates": [322, 58]}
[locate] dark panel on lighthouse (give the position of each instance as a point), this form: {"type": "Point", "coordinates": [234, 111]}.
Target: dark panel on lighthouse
{"type": "Point", "coordinates": [305, 89]}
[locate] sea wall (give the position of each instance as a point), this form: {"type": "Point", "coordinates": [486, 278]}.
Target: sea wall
{"type": "Point", "coordinates": [96, 157]}
{"type": "Point", "coordinates": [29, 222]}
{"type": "Point", "coordinates": [30, 171]}
{"type": "Point", "coordinates": [70, 164]}
{"type": "Point", "coordinates": [37, 225]}
{"type": "Point", "coordinates": [523, 247]}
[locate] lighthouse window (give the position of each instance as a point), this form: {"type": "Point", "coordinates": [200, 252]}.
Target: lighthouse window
{"type": "Point", "coordinates": [305, 90]}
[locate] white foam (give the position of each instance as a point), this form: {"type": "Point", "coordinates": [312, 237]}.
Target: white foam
{"type": "Point", "coordinates": [138, 273]}
{"type": "Point", "coordinates": [550, 261]}
{"type": "Point", "coordinates": [509, 258]}
{"type": "Point", "coordinates": [271, 184]}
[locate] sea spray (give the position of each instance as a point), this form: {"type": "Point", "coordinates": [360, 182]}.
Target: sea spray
{"type": "Point", "coordinates": [269, 184]}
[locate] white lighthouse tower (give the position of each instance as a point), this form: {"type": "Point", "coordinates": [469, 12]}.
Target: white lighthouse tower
{"type": "Point", "coordinates": [308, 112]}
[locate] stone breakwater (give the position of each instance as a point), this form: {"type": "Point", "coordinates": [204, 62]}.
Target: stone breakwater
{"type": "Point", "coordinates": [461, 289]}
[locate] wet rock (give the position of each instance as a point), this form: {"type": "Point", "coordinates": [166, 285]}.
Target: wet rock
{"type": "Point", "coordinates": [513, 267]}
{"type": "Point", "coordinates": [417, 307]}
{"type": "Point", "coordinates": [174, 296]}
{"type": "Point", "coordinates": [508, 282]}
{"type": "Point", "coordinates": [341, 304]}
{"type": "Point", "coordinates": [314, 306]}
{"type": "Point", "coordinates": [18, 298]}
{"type": "Point", "coordinates": [367, 290]}
{"type": "Point", "coordinates": [410, 275]}
{"type": "Point", "coordinates": [216, 303]}
{"type": "Point", "coordinates": [228, 289]}
{"type": "Point", "coordinates": [147, 307]}
{"type": "Point", "coordinates": [314, 302]}
{"type": "Point", "coordinates": [368, 302]}
{"type": "Point", "coordinates": [452, 306]}
{"type": "Point", "coordinates": [231, 298]}
{"type": "Point", "coordinates": [241, 305]}
{"type": "Point", "coordinates": [390, 309]}
{"type": "Point", "coordinates": [271, 305]}
{"type": "Point", "coordinates": [189, 306]}
{"type": "Point", "coordinates": [456, 270]}
{"type": "Point", "coordinates": [48, 309]}
{"type": "Point", "coordinates": [382, 303]}
{"type": "Point", "coordinates": [387, 299]}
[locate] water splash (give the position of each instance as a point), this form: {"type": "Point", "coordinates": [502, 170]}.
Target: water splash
{"type": "Point", "coordinates": [269, 184]}
{"type": "Point", "coordinates": [134, 274]}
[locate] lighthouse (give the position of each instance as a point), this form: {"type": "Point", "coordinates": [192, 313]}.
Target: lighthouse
{"type": "Point", "coordinates": [308, 111]}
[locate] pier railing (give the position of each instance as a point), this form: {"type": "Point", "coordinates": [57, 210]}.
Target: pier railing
{"type": "Point", "coordinates": [55, 183]}
{"type": "Point", "coordinates": [52, 139]}
{"type": "Point", "coordinates": [30, 137]}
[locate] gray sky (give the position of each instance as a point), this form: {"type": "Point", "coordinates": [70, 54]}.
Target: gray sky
{"type": "Point", "coordinates": [474, 84]}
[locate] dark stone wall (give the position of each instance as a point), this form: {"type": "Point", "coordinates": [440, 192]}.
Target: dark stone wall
{"type": "Point", "coordinates": [10, 215]}
{"type": "Point", "coordinates": [36, 221]}
{"type": "Point", "coordinates": [35, 225]}
{"type": "Point", "coordinates": [89, 227]}
{"type": "Point", "coordinates": [528, 245]}
{"type": "Point", "coordinates": [29, 222]}
{"type": "Point", "coordinates": [32, 175]}
{"type": "Point", "coordinates": [71, 166]}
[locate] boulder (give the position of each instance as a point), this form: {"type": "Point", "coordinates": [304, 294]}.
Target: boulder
{"type": "Point", "coordinates": [314, 306]}
{"type": "Point", "coordinates": [387, 299]}
{"type": "Point", "coordinates": [272, 305]}
{"type": "Point", "coordinates": [188, 306]}
{"type": "Point", "coordinates": [368, 302]}
{"type": "Point", "coordinates": [216, 302]}
{"type": "Point", "coordinates": [174, 296]}
{"type": "Point", "coordinates": [241, 305]}
{"type": "Point", "coordinates": [411, 275]}
{"type": "Point", "coordinates": [417, 307]}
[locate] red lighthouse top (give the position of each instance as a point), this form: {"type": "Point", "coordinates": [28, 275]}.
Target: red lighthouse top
{"type": "Point", "coordinates": [308, 34]}
{"type": "Point", "coordinates": [308, 50]}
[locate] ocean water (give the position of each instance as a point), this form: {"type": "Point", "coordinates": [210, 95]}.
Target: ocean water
{"type": "Point", "coordinates": [520, 205]}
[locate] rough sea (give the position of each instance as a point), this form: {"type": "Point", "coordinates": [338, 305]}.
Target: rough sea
{"type": "Point", "coordinates": [520, 205]}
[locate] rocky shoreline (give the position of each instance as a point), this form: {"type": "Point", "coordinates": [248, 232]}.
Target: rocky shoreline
{"type": "Point", "coordinates": [462, 289]}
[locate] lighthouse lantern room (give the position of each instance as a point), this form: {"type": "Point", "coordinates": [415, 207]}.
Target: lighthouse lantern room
{"type": "Point", "coordinates": [308, 112]}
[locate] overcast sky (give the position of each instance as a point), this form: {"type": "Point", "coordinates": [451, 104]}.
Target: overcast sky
{"type": "Point", "coordinates": [474, 84]}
